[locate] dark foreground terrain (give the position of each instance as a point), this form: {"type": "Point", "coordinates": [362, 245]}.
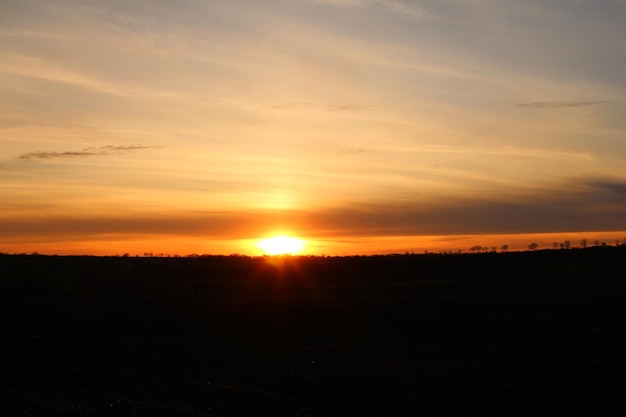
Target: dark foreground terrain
{"type": "Point", "coordinates": [530, 333]}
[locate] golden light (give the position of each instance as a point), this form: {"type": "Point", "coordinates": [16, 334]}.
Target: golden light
{"type": "Point", "coordinates": [281, 245]}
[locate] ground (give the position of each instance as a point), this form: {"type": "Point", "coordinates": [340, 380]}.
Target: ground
{"type": "Point", "coordinates": [484, 334]}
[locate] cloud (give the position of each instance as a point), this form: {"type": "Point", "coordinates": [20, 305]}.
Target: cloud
{"type": "Point", "coordinates": [401, 7]}
{"type": "Point", "coordinates": [556, 104]}
{"type": "Point", "coordinates": [350, 151]}
{"type": "Point", "coordinates": [346, 107]}
{"type": "Point", "coordinates": [587, 205]}
{"type": "Point", "coordinates": [615, 188]}
{"type": "Point", "coordinates": [592, 205]}
{"type": "Point", "coordinates": [330, 107]}
{"type": "Point", "coordinates": [181, 223]}
{"type": "Point", "coordinates": [101, 151]}
{"type": "Point", "coordinates": [396, 6]}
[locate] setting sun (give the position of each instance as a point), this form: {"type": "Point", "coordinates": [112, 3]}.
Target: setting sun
{"type": "Point", "coordinates": [281, 245]}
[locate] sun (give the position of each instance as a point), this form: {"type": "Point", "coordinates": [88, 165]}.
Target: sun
{"type": "Point", "coordinates": [281, 245]}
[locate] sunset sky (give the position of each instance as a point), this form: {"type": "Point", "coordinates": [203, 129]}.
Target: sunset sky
{"type": "Point", "coordinates": [361, 126]}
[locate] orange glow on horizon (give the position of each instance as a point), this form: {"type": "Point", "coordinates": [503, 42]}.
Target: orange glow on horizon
{"type": "Point", "coordinates": [167, 245]}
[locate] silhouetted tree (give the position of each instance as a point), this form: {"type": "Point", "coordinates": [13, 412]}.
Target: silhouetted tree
{"type": "Point", "coordinates": [567, 244]}
{"type": "Point", "coordinates": [583, 243]}
{"type": "Point", "coordinates": [504, 248]}
{"type": "Point", "coordinates": [533, 246]}
{"type": "Point", "coordinates": [556, 245]}
{"type": "Point", "coordinates": [475, 249]}
{"type": "Point", "coordinates": [596, 242]}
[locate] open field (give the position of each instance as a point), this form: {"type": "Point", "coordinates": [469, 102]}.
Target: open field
{"type": "Point", "coordinates": [487, 334]}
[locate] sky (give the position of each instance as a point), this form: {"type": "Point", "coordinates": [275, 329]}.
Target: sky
{"type": "Point", "coordinates": [361, 126]}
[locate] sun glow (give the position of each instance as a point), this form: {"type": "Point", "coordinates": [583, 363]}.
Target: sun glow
{"type": "Point", "coordinates": [281, 245]}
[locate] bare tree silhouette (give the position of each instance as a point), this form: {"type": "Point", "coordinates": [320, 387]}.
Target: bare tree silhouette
{"type": "Point", "coordinates": [475, 249]}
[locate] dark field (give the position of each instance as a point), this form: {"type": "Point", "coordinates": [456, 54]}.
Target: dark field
{"type": "Point", "coordinates": [530, 333]}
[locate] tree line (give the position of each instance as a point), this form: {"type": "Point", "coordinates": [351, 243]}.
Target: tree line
{"type": "Point", "coordinates": [564, 245]}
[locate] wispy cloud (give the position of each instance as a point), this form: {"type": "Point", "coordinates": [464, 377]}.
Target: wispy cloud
{"type": "Point", "coordinates": [38, 68]}
{"type": "Point", "coordinates": [320, 106]}
{"type": "Point", "coordinates": [397, 6]}
{"type": "Point", "coordinates": [401, 7]}
{"type": "Point", "coordinates": [347, 107]}
{"type": "Point", "coordinates": [556, 104]}
{"type": "Point", "coordinates": [101, 151]}
{"type": "Point", "coordinates": [350, 151]}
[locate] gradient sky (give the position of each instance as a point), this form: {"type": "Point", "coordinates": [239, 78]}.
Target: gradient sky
{"type": "Point", "coordinates": [364, 126]}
